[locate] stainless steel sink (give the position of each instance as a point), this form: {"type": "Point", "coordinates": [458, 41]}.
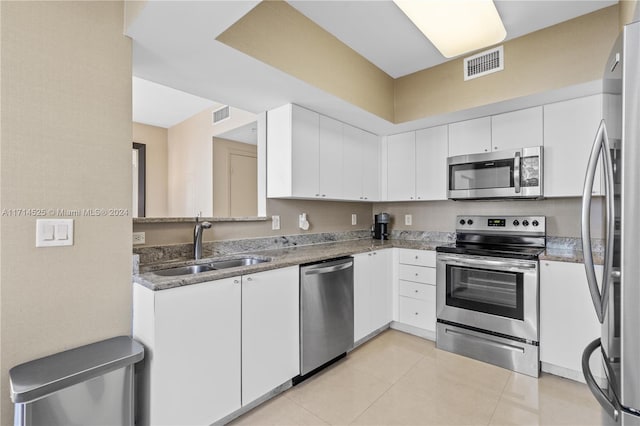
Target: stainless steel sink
{"type": "Point", "coordinates": [233, 263]}
{"type": "Point", "coordinates": [184, 270]}
{"type": "Point", "coordinates": [220, 264]}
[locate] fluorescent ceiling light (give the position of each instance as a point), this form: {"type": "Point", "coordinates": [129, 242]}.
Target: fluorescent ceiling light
{"type": "Point", "coordinates": [456, 26]}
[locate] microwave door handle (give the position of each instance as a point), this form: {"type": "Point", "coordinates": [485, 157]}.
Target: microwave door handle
{"type": "Point", "coordinates": [516, 172]}
{"type": "Point", "coordinates": [597, 298]}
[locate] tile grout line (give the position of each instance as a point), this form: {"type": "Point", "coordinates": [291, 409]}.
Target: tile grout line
{"type": "Point", "coordinates": [390, 387]}
{"type": "Point", "coordinates": [500, 398]}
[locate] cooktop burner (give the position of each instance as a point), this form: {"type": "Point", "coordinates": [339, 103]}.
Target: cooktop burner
{"type": "Point", "coordinates": [518, 237]}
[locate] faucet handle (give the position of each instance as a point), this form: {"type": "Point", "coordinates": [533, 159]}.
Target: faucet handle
{"type": "Point", "coordinates": [206, 225]}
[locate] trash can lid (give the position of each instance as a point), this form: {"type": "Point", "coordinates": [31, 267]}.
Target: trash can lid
{"type": "Point", "coordinates": [38, 378]}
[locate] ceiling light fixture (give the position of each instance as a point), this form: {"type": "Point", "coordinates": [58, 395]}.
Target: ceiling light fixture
{"type": "Point", "coordinates": [456, 26]}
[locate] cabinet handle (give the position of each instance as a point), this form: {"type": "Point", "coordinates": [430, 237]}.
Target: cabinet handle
{"type": "Point", "coordinates": [324, 195]}
{"type": "Point", "coordinates": [416, 291]}
{"type": "Point", "coordinates": [236, 281]}
{"type": "Point", "coordinates": [416, 274]}
{"type": "Point", "coordinates": [485, 150]}
{"type": "Point", "coordinates": [374, 253]}
{"type": "Point", "coordinates": [416, 313]}
{"type": "Point", "coordinates": [249, 279]}
{"type": "Point", "coordinates": [416, 257]}
{"type": "Point", "coordinates": [366, 198]}
{"type": "Point", "coordinates": [317, 195]}
{"type": "Point", "coordinates": [495, 147]}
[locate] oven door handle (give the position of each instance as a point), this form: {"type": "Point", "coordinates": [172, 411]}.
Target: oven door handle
{"type": "Point", "coordinates": [516, 172]}
{"type": "Point", "coordinates": [487, 263]}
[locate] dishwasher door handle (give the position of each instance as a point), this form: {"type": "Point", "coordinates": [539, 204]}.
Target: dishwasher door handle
{"type": "Point", "coordinates": [329, 269]}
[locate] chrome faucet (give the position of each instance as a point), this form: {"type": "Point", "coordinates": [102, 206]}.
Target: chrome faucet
{"type": "Point", "coordinates": [197, 238]}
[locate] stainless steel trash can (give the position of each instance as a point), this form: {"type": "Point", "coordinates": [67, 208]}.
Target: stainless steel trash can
{"type": "Point", "coordinates": [89, 385]}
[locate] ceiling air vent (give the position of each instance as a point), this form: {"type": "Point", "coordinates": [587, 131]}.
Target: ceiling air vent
{"type": "Point", "coordinates": [221, 114]}
{"type": "Point", "coordinates": [484, 63]}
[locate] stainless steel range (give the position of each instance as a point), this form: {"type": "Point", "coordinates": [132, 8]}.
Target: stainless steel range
{"type": "Point", "coordinates": [487, 290]}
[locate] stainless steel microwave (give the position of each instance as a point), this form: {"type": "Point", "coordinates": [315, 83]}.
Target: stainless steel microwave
{"type": "Point", "coordinates": [512, 173]}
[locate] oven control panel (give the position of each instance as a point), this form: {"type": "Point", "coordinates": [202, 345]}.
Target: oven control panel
{"type": "Point", "coordinates": [500, 224]}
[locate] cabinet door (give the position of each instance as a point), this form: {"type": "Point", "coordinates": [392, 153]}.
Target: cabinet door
{"type": "Point", "coordinates": [401, 167]}
{"type": "Point", "coordinates": [568, 321]}
{"type": "Point", "coordinates": [370, 167]}
{"type": "Point", "coordinates": [381, 288]}
{"type": "Point", "coordinates": [517, 129]}
{"type": "Point", "coordinates": [352, 167]}
{"type": "Point", "coordinates": [470, 137]}
{"type": "Point", "coordinates": [569, 130]}
{"type": "Point", "coordinates": [195, 362]}
{"type": "Point", "coordinates": [361, 295]}
{"type": "Point", "coordinates": [305, 152]}
{"type": "Point", "coordinates": [270, 331]}
{"type": "Point", "coordinates": [431, 163]}
{"type": "Point", "coordinates": [331, 157]}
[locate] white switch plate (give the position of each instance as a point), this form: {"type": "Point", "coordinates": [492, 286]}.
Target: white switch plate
{"type": "Point", "coordinates": [54, 232]}
{"type": "Point", "coordinates": [354, 219]}
{"type": "Point", "coordinates": [138, 237]}
{"type": "Point", "coordinates": [275, 223]}
{"type": "Point", "coordinates": [408, 219]}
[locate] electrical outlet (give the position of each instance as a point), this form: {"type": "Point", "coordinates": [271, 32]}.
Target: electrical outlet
{"type": "Point", "coordinates": [408, 219]}
{"type": "Point", "coordinates": [354, 219]}
{"type": "Point", "coordinates": [275, 223]}
{"type": "Point", "coordinates": [138, 238]}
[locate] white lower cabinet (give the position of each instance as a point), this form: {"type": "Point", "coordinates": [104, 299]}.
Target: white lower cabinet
{"type": "Point", "coordinates": [417, 289]}
{"type": "Point", "coordinates": [270, 331]}
{"type": "Point", "coordinates": [215, 346]}
{"type": "Point", "coordinates": [372, 298]}
{"type": "Point", "coordinates": [191, 336]}
{"type": "Point", "coordinates": [568, 321]}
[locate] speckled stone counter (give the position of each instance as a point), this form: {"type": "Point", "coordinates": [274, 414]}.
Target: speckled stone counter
{"type": "Point", "coordinates": [561, 249]}
{"type": "Point", "coordinates": [280, 258]}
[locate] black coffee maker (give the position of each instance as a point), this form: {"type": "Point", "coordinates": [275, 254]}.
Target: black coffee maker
{"type": "Point", "coordinates": [380, 229]}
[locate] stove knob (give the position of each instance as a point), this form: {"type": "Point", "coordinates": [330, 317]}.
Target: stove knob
{"type": "Point", "coordinates": [525, 222]}
{"type": "Point", "coordinates": [535, 223]}
{"type": "Point", "coordinates": [470, 222]}
{"type": "Point", "coordinates": [516, 223]}
{"type": "Point", "coordinates": [462, 222]}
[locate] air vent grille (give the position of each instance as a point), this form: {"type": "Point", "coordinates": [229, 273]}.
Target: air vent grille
{"type": "Point", "coordinates": [221, 114]}
{"type": "Point", "coordinates": [484, 63]}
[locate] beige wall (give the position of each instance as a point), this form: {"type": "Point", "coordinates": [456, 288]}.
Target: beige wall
{"type": "Point", "coordinates": [563, 214]}
{"type": "Point", "coordinates": [324, 216]}
{"type": "Point", "coordinates": [627, 12]}
{"type": "Point", "coordinates": [65, 143]}
{"type": "Point", "coordinates": [569, 53]}
{"type": "Point", "coordinates": [155, 139]}
{"type": "Point", "coordinates": [222, 149]}
{"type": "Point", "coordinates": [279, 35]}
{"type": "Point", "coordinates": [190, 161]}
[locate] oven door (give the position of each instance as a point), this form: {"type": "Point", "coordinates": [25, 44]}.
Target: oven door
{"type": "Point", "coordinates": [495, 294]}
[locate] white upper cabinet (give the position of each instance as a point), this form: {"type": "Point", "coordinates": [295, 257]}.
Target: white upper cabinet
{"type": "Point", "coordinates": [360, 165]}
{"type": "Point", "coordinates": [569, 130]}
{"type": "Point", "coordinates": [401, 167]}
{"type": "Point", "coordinates": [330, 158]}
{"type": "Point", "coordinates": [517, 129]}
{"type": "Point", "coordinates": [431, 163]}
{"type": "Point", "coordinates": [313, 156]}
{"type": "Point", "coordinates": [470, 136]}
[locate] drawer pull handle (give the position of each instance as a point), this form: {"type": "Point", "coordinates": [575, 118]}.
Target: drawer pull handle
{"type": "Point", "coordinates": [416, 313]}
{"type": "Point", "coordinates": [416, 257]}
{"type": "Point", "coordinates": [416, 291]}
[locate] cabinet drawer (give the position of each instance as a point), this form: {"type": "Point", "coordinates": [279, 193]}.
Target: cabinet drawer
{"type": "Point", "coordinates": [420, 274]}
{"type": "Point", "coordinates": [414, 290]}
{"type": "Point", "coordinates": [418, 313]}
{"type": "Point", "coordinates": [418, 257]}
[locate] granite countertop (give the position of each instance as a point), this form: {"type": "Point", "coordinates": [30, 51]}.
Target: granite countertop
{"type": "Point", "coordinates": [280, 258]}
{"type": "Point", "coordinates": [568, 255]}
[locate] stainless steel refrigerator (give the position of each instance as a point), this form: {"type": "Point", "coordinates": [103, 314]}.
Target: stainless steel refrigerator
{"type": "Point", "coordinates": [617, 298]}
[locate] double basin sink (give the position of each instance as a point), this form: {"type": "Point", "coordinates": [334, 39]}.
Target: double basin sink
{"type": "Point", "coordinates": [211, 266]}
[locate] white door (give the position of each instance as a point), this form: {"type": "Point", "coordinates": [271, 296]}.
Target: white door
{"type": "Point", "coordinates": [381, 288]}
{"type": "Point", "coordinates": [352, 167]}
{"type": "Point", "coordinates": [195, 373]}
{"type": "Point", "coordinates": [305, 148]}
{"type": "Point", "coordinates": [370, 167]}
{"type": "Point", "coordinates": [470, 137]}
{"type": "Point", "coordinates": [401, 167]}
{"type": "Point", "coordinates": [517, 129]}
{"type": "Point", "coordinates": [270, 331]}
{"type": "Point", "coordinates": [431, 163]}
{"type": "Point", "coordinates": [331, 157]}
{"type": "Point", "coordinates": [361, 295]}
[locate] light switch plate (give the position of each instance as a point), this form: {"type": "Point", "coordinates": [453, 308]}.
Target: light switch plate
{"type": "Point", "coordinates": [54, 232]}
{"type": "Point", "coordinates": [354, 219]}
{"type": "Point", "coordinates": [408, 219]}
{"type": "Point", "coordinates": [275, 223]}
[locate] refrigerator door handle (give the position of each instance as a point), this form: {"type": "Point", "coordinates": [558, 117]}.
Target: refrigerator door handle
{"type": "Point", "coordinates": [611, 407]}
{"type": "Point", "coordinates": [600, 146]}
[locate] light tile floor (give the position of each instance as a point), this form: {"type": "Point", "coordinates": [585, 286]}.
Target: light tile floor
{"type": "Point", "coordinates": [399, 379]}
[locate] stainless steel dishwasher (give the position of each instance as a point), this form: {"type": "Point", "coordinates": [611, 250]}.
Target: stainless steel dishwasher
{"type": "Point", "coordinates": [326, 313]}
